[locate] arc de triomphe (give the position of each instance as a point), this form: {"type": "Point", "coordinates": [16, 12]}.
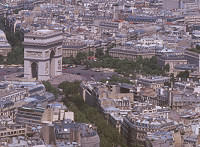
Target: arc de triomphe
{"type": "Point", "coordinates": [43, 54]}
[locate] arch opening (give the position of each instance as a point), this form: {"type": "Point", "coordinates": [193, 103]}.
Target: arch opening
{"type": "Point", "coordinates": [34, 70]}
{"type": "Point", "coordinates": [52, 64]}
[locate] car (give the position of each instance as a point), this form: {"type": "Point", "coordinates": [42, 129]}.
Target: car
{"type": "Point", "coordinates": [20, 76]}
{"type": "Point", "coordinates": [108, 78]}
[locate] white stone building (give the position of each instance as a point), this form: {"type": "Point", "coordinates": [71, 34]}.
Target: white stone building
{"type": "Point", "coordinates": [5, 47]}
{"type": "Point", "coordinates": [43, 54]}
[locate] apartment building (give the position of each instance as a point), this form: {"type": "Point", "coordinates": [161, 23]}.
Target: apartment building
{"type": "Point", "coordinates": [72, 47]}
{"type": "Point", "coordinates": [29, 115]}
{"type": "Point", "coordinates": [131, 53]}
{"type": "Point", "coordinates": [136, 126]}
{"type": "Point", "coordinates": [80, 134]}
{"type": "Point", "coordinates": [14, 130]}
{"type": "Point", "coordinates": [191, 20]}
{"type": "Point", "coordinates": [153, 82]}
{"type": "Point", "coordinates": [172, 61]}
{"type": "Point", "coordinates": [93, 92]}
{"type": "Point", "coordinates": [193, 57]}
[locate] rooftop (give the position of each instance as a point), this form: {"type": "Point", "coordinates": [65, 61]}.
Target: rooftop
{"type": "Point", "coordinates": [43, 32]}
{"type": "Point", "coordinates": [65, 126]}
{"type": "Point", "coordinates": [154, 79]}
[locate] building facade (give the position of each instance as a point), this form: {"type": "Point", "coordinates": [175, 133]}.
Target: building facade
{"type": "Point", "coordinates": [131, 53]}
{"type": "Point", "coordinates": [72, 47]}
{"type": "Point", "coordinates": [14, 130]}
{"type": "Point", "coordinates": [193, 58]}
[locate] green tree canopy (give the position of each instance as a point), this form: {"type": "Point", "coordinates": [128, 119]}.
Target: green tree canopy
{"type": "Point", "coordinates": [16, 56]}
{"type": "Point", "coordinates": [183, 75]}
{"type": "Point", "coordinates": [109, 136]}
{"type": "Point", "coordinates": [50, 88]}
{"type": "Point", "coordinates": [99, 53]}
{"type": "Point", "coordinates": [80, 58]}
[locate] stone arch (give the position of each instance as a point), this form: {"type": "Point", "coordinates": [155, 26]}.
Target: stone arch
{"type": "Point", "coordinates": [34, 70]}
{"type": "Point", "coordinates": [52, 63]}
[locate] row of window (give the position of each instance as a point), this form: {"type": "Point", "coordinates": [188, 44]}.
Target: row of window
{"type": "Point", "coordinates": [12, 133]}
{"type": "Point", "coordinates": [15, 97]}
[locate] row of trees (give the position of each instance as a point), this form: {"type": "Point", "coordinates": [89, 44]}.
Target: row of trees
{"type": "Point", "coordinates": [140, 66]}
{"type": "Point", "coordinates": [50, 88]}
{"type": "Point", "coordinates": [84, 113]}
{"type": "Point", "coordinates": [196, 49]}
{"type": "Point", "coordinates": [15, 39]}
{"type": "Point", "coordinates": [82, 57]}
{"type": "Point", "coordinates": [126, 67]}
{"type": "Point", "coordinates": [183, 75]}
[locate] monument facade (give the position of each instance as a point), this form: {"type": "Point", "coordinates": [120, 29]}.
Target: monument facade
{"type": "Point", "coordinates": [43, 54]}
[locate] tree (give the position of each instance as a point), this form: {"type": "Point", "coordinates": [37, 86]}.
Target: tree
{"type": "Point", "coordinates": [85, 113]}
{"type": "Point", "coordinates": [197, 47]}
{"type": "Point", "coordinates": [126, 67]}
{"type": "Point", "coordinates": [99, 53]}
{"type": "Point", "coordinates": [166, 68]}
{"type": "Point", "coordinates": [68, 60]}
{"type": "Point", "coordinates": [91, 53]}
{"type": "Point", "coordinates": [1, 59]}
{"type": "Point", "coordinates": [50, 88]}
{"type": "Point", "coordinates": [172, 79]}
{"type": "Point", "coordinates": [16, 56]}
{"type": "Point", "coordinates": [183, 75]}
{"type": "Point", "coordinates": [80, 58]}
